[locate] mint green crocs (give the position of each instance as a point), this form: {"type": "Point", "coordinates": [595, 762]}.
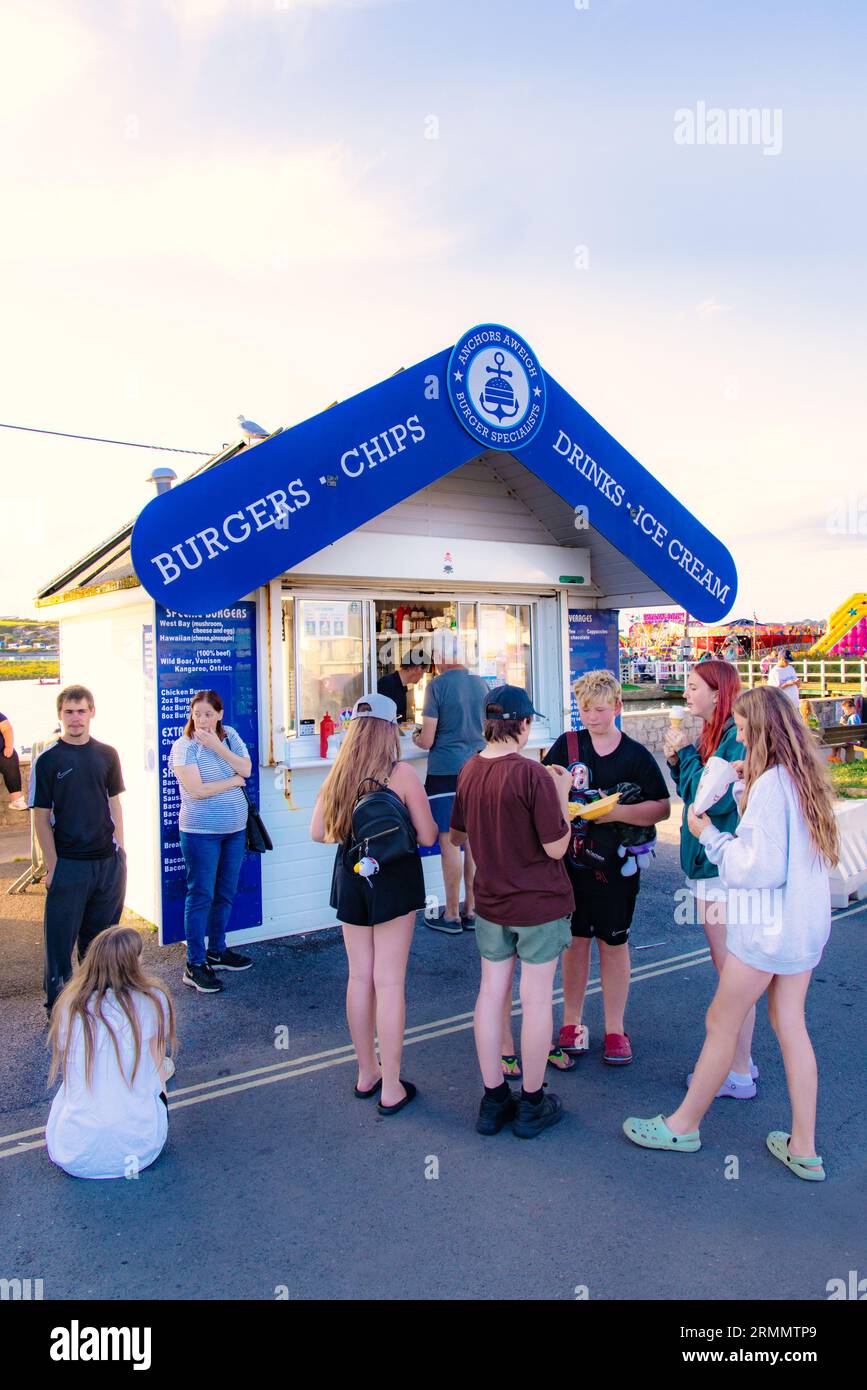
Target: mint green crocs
{"type": "Point", "coordinates": [655, 1134]}
{"type": "Point", "coordinates": [810, 1169]}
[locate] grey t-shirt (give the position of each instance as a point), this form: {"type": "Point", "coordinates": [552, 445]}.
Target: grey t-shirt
{"type": "Point", "coordinates": [457, 700]}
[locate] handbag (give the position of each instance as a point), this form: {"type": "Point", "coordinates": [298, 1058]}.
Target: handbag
{"type": "Point", "coordinates": [382, 827]}
{"type": "Point", "coordinates": [258, 839]}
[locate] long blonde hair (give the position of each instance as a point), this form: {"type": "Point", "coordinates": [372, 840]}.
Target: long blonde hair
{"type": "Point", "coordinates": [113, 962]}
{"type": "Point", "coordinates": [370, 748]}
{"type": "Point", "coordinates": [776, 737]}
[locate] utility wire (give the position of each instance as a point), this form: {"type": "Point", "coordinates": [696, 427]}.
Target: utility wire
{"type": "Point", "coordinates": [95, 439]}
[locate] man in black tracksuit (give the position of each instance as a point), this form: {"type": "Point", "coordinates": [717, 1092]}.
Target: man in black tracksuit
{"type": "Point", "coordinates": [75, 797]}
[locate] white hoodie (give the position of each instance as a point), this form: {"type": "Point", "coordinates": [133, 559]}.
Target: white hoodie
{"type": "Point", "coordinates": [778, 894]}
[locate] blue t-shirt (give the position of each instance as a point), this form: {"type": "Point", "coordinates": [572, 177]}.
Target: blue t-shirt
{"type": "Point", "coordinates": [457, 700]}
{"type": "Point", "coordinates": [216, 815]}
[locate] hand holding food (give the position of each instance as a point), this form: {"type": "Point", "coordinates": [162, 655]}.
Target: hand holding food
{"type": "Point", "coordinates": [562, 781]}
{"type": "Point", "coordinates": [697, 823]}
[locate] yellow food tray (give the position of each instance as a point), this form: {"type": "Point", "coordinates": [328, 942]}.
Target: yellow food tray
{"type": "Point", "coordinates": [595, 809]}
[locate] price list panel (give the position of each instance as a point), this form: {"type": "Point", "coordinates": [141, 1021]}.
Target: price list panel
{"type": "Point", "coordinates": [214, 651]}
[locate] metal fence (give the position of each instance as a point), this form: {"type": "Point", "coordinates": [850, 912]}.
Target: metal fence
{"type": "Point", "coordinates": [821, 674]}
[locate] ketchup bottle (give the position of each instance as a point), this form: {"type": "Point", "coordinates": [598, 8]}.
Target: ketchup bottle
{"type": "Point", "coordinates": [326, 729]}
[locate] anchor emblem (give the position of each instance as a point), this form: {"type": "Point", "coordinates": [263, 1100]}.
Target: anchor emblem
{"type": "Point", "coordinates": [498, 395]}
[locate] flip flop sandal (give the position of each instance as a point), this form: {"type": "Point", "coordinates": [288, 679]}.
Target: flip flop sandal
{"type": "Point", "coordinates": [810, 1169]}
{"type": "Point", "coordinates": [366, 1095]}
{"type": "Point", "coordinates": [559, 1059]}
{"type": "Point", "coordinates": [411, 1094]}
{"type": "Point", "coordinates": [511, 1065]}
{"type": "Point", "coordinates": [655, 1134]}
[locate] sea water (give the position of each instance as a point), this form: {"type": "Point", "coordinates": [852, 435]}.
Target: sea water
{"type": "Point", "coordinates": [31, 709]}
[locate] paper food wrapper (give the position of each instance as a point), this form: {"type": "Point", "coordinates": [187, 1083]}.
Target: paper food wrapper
{"type": "Point", "coordinates": [715, 781]}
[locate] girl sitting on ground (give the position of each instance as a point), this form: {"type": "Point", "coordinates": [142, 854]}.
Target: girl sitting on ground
{"type": "Point", "coordinates": [110, 1030]}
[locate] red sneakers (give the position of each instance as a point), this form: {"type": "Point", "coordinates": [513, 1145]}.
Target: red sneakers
{"type": "Point", "coordinates": [574, 1039]}
{"type": "Point", "coordinates": [616, 1050]}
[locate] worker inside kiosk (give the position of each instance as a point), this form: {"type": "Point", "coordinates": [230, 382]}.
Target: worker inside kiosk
{"type": "Point", "coordinates": [336, 649]}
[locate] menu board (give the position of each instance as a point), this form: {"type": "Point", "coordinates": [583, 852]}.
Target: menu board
{"type": "Point", "coordinates": [216, 651]}
{"type": "Point", "coordinates": [594, 645]}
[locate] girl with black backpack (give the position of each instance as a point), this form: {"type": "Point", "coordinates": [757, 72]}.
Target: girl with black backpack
{"type": "Point", "coordinates": [374, 808]}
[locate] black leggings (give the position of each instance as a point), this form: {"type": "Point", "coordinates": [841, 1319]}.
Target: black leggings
{"type": "Point", "coordinates": [10, 771]}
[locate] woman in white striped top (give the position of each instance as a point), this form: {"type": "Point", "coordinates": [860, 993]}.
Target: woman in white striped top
{"type": "Point", "coordinates": [211, 764]}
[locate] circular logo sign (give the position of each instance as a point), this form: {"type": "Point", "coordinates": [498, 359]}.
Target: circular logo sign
{"type": "Point", "coordinates": [496, 386]}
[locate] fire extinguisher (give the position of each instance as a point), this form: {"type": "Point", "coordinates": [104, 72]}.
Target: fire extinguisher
{"type": "Point", "coordinates": [326, 729]}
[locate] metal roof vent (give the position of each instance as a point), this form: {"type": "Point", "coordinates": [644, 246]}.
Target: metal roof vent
{"type": "Point", "coordinates": [162, 479]}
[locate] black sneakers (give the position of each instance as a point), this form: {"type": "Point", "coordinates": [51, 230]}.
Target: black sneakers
{"type": "Point", "coordinates": [202, 978]}
{"type": "Point", "coordinates": [493, 1114]}
{"type": "Point", "coordinates": [227, 960]}
{"type": "Point", "coordinates": [439, 922]}
{"type": "Point", "coordinates": [532, 1119]}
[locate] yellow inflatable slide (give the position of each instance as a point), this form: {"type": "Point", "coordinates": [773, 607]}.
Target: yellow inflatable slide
{"type": "Point", "coordinates": [852, 613]}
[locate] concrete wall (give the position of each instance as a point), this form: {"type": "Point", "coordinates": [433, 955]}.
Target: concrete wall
{"type": "Point", "coordinates": [650, 727]}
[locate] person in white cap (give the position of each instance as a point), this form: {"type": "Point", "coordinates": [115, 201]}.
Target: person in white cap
{"type": "Point", "coordinates": [376, 903]}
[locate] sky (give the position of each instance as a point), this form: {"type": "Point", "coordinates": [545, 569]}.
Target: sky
{"type": "Point", "coordinates": [215, 207]}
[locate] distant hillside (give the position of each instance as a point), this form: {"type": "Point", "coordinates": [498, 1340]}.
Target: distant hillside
{"type": "Point", "coordinates": [24, 639]}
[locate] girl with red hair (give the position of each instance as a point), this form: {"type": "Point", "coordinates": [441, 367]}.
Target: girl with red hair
{"type": "Point", "coordinates": [711, 690]}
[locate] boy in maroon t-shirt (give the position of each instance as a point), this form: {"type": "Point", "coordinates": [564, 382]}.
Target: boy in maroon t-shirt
{"type": "Point", "coordinates": [513, 812]}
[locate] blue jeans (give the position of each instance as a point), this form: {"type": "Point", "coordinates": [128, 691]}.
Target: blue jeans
{"type": "Point", "coordinates": [213, 866]}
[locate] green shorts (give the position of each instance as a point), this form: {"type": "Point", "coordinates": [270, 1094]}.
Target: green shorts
{"type": "Point", "coordinates": [535, 945]}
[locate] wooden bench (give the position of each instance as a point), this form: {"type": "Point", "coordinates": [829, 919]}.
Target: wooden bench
{"type": "Point", "coordinates": [842, 737]}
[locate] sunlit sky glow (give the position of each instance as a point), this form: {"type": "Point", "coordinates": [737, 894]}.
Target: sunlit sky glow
{"type": "Point", "coordinates": [224, 206]}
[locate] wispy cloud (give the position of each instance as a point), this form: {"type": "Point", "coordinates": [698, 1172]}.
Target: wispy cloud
{"type": "Point", "coordinates": [244, 209]}
{"type": "Point", "coordinates": [708, 308]}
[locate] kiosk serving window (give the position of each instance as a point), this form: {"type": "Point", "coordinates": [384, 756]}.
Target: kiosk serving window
{"type": "Point", "coordinates": [332, 658]}
{"type": "Point", "coordinates": [338, 647]}
{"type": "Point", "coordinates": [505, 655]}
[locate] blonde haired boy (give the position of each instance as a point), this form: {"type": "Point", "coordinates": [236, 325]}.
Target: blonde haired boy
{"type": "Point", "coordinates": [598, 757]}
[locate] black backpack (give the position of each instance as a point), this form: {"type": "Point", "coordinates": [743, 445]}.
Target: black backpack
{"type": "Point", "coordinates": [381, 828]}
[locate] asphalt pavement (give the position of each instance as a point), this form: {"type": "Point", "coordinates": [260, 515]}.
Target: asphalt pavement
{"type": "Point", "coordinates": [277, 1182]}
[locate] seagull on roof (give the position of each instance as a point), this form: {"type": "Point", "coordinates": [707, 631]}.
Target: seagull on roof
{"type": "Point", "coordinates": [250, 429]}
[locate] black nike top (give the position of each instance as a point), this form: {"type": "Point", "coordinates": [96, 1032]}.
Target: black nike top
{"type": "Point", "coordinates": [75, 781]}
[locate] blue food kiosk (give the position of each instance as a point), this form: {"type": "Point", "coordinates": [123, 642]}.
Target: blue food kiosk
{"type": "Point", "coordinates": [469, 495]}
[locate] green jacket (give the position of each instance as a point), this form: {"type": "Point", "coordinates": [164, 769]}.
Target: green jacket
{"type": "Point", "coordinates": [724, 815]}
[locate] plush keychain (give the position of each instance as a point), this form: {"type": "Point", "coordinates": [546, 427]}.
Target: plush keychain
{"type": "Point", "coordinates": [366, 866]}
{"type": "Point", "coordinates": [632, 855]}
{"type": "Point", "coordinates": [636, 841]}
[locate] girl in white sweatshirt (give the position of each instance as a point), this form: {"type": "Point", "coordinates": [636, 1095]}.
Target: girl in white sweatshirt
{"type": "Point", "coordinates": [775, 871]}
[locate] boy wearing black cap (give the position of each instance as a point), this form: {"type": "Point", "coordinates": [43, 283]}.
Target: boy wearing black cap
{"type": "Point", "coordinates": [513, 812]}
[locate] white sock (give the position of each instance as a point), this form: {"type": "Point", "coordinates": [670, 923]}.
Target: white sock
{"type": "Point", "coordinates": [740, 1079]}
